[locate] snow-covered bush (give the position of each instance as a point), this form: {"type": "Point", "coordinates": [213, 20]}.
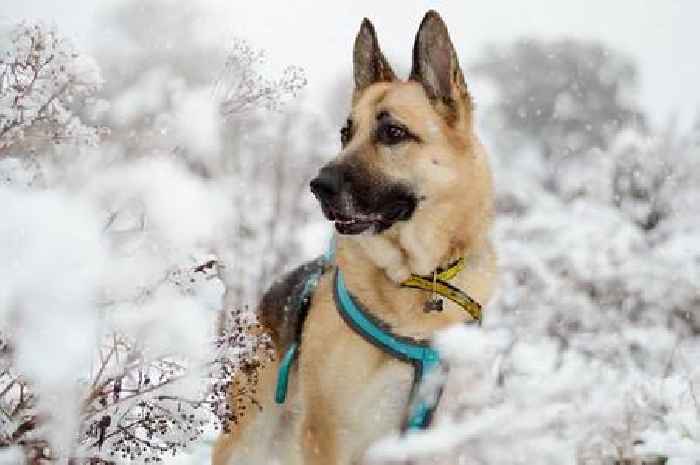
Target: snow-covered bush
{"type": "Point", "coordinates": [43, 82]}
{"type": "Point", "coordinates": [139, 223]}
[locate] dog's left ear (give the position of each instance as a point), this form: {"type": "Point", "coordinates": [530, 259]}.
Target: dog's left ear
{"type": "Point", "coordinates": [436, 67]}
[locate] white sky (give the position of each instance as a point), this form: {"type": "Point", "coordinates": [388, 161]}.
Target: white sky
{"type": "Point", "coordinates": [663, 35]}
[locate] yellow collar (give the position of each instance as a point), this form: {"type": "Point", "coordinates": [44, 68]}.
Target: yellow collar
{"type": "Point", "coordinates": [439, 285]}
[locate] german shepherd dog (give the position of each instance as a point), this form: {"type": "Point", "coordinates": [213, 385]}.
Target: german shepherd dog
{"type": "Point", "coordinates": [409, 193]}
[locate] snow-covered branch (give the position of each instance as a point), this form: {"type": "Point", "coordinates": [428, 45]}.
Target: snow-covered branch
{"type": "Point", "coordinates": [43, 82]}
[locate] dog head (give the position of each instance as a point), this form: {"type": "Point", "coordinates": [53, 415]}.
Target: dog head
{"type": "Point", "coordinates": [409, 156]}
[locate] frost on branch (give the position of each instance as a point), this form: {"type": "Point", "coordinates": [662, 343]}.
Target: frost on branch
{"type": "Point", "coordinates": [139, 406]}
{"type": "Point", "coordinates": [44, 82]}
{"type": "Point", "coordinates": [241, 87]}
{"type": "Point", "coordinates": [16, 402]}
{"type": "Point", "coordinates": [144, 409]}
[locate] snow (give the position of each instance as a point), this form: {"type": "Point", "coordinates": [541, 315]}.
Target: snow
{"type": "Point", "coordinates": [122, 307]}
{"type": "Point", "coordinates": [162, 195]}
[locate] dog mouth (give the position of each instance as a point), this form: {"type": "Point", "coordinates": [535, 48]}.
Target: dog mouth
{"type": "Point", "coordinates": [357, 223]}
{"type": "Point", "coordinates": [357, 201]}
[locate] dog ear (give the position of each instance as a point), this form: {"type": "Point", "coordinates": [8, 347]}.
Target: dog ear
{"type": "Point", "coordinates": [369, 64]}
{"type": "Point", "coordinates": [436, 66]}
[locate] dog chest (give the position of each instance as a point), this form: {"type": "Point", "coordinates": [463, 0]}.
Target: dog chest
{"type": "Point", "coordinates": [380, 400]}
{"type": "Point", "coordinates": [365, 390]}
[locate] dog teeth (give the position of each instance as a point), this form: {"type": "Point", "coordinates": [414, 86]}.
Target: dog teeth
{"type": "Point", "coordinates": [367, 219]}
{"type": "Point", "coordinates": [354, 221]}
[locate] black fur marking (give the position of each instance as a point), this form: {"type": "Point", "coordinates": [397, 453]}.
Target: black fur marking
{"type": "Point", "coordinates": [286, 303]}
{"type": "Point", "coordinates": [371, 194]}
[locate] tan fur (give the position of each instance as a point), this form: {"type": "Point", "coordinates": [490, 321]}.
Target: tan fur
{"type": "Point", "coordinates": [345, 394]}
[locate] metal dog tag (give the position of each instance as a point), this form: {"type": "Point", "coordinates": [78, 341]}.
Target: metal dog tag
{"type": "Point", "coordinates": [433, 305]}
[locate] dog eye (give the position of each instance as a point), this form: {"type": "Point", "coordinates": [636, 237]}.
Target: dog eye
{"type": "Point", "coordinates": [390, 134]}
{"type": "Point", "coordinates": [346, 133]}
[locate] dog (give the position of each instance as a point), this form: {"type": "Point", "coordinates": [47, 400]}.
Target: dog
{"type": "Point", "coordinates": [409, 194]}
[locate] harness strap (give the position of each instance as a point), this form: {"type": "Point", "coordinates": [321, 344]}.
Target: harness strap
{"type": "Point", "coordinates": [283, 373]}
{"type": "Point", "coordinates": [424, 358]}
{"type": "Point", "coordinates": [291, 354]}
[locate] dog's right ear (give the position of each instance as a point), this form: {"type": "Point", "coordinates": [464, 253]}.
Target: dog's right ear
{"type": "Point", "coordinates": [369, 64]}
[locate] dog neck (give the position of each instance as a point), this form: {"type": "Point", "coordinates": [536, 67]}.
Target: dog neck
{"type": "Point", "coordinates": [374, 267]}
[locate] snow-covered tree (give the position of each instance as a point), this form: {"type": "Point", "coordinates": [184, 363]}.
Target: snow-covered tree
{"type": "Point", "coordinates": [260, 157]}
{"type": "Point", "coordinates": [565, 96]}
{"type": "Point", "coordinates": [44, 82]}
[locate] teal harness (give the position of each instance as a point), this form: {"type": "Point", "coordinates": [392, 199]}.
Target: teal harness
{"type": "Point", "coordinates": [418, 353]}
{"type": "Point", "coordinates": [425, 360]}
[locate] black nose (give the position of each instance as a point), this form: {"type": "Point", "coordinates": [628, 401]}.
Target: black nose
{"type": "Point", "coordinates": [327, 184]}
